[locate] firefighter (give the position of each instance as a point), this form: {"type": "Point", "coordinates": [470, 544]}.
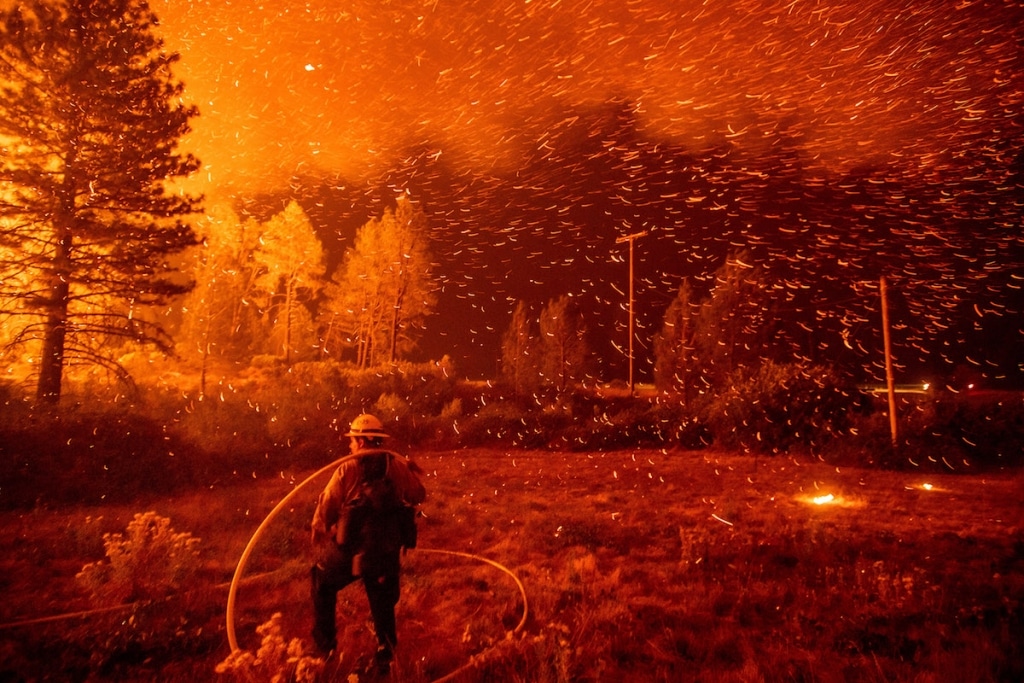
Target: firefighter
{"type": "Point", "coordinates": [363, 520]}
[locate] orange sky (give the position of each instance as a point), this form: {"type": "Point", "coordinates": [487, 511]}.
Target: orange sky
{"type": "Point", "coordinates": [284, 91]}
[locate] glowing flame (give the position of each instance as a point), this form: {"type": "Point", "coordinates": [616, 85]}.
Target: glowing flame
{"type": "Point", "coordinates": [924, 486]}
{"type": "Point", "coordinates": [830, 500]}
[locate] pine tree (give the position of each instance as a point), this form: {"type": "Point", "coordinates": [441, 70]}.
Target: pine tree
{"type": "Point", "coordinates": [90, 118]}
{"type": "Point", "coordinates": [673, 346]}
{"type": "Point", "coordinates": [735, 326]}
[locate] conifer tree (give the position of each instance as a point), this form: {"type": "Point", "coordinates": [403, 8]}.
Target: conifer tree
{"type": "Point", "coordinates": [736, 323]}
{"type": "Point", "coordinates": [90, 119]}
{"type": "Point", "coordinates": [518, 351]}
{"type": "Point", "coordinates": [673, 346]}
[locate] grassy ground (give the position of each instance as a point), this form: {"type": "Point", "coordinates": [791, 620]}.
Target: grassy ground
{"type": "Point", "coordinates": [645, 565]}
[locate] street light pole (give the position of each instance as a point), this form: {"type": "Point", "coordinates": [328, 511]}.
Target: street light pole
{"type": "Point", "coordinates": [631, 239]}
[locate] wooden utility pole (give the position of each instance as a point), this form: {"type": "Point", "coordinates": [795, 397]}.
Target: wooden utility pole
{"type": "Point", "coordinates": [631, 239]}
{"type": "Point", "coordinates": [890, 382]}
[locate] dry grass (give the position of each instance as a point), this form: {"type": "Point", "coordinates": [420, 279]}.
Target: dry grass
{"type": "Point", "coordinates": [646, 565]}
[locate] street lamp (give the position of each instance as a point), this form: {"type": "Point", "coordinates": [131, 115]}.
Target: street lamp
{"type": "Point", "coordinates": [631, 239]}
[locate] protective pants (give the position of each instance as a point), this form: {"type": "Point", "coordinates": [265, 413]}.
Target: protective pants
{"type": "Point", "coordinates": [381, 582]}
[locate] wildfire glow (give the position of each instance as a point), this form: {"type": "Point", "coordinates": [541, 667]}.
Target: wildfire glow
{"type": "Point", "coordinates": [829, 500]}
{"type": "Point", "coordinates": [926, 486]}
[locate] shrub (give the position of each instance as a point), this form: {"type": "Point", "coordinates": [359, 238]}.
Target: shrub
{"type": "Point", "coordinates": [122, 454]}
{"type": "Point", "coordinates": [425, 387]}
{"type": "Point", "coordinates": [220, 420]}
{"type": "Point", "coordinates": [504, 422]}
{"type": "Point", "coordinates": [300, 401]}
{"type": "Point", "coordinates": [946, 432]}
{"type": "Point", "coordinates": [391, 408]}
{"type": "Point", "coordinates": [615, 426]}
{"type": "Point", "coordinates": [989, 430]}
{"type": "Point", "coordinates": [150, 561]}
{"type": "Point", "coordinates": [276, 660]}
{"type": "Point", "coordinates": [452, 410]}
{"type": "Point", "coordinates": [780, 406]}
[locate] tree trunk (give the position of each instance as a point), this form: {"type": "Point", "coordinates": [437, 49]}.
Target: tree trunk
{"type": "Point", "coordinates": [288, 303]}
{"type": "Point", "coordinates": [51, 364]}
{"type": "Point", "coordinates": [51, 367]}
{"type": "Point", "coordinates": [396, 316]}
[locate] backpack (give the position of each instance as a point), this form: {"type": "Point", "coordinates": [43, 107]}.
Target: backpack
{"type": "Point", "coordinates": [377, 521]}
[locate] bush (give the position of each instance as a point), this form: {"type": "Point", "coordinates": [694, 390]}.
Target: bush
{"type": "Point", "coordinates": [150, 561]}
{"type": "Point", "coordinates": [276, 660]}
{"type": "Point", "coordinates": [988, 429]}
{"type": "Point", "coordinates": [425, 387]}
{"type": "Point", "coordinates": [220, 421]}
{"type": "Point", "coordinates": [779, 407]}
{"type": "Point", "coordinates": [391, 408]}
{"type": "Point", "coordinates": [620, 424]}
{"type": "Point", "coordinates": [452, 410]}
{"type": "Point", "coordinates": [505, 422]}
{"type": "Point", "coordinates": [299, 402]}
{"type": "Point", "coordinates": [947, 432]}
{"type": "Point", "coordinates": [123, 455]}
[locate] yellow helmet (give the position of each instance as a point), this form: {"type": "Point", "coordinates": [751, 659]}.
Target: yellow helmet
{"type": "Point", "coordinates": [367, 426]}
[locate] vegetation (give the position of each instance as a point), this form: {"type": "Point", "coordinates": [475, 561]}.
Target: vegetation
{"type": "Point", "coordinates": [90, 118]}
{"type": "Point", "coordinates": [384, 289]}
{"type": "Point", "coordinates": [655, 537]}
{"type": "Point", "coordinates": [638, 564]}
{"type": "Point", "coordinates": [563, 344]}
{"type": "Point", "coordinates": [722, 525]}
{"type": "Point", "coordinates": [673, 345]}
{"type": "Point", "coordinates": [149, 561]}
{"type": "Point", "coordinates": [276, 658]}
{"type": "Point", "coordinates": [288, 279]}
{"type": "Point", "coordinates": [519, 353]}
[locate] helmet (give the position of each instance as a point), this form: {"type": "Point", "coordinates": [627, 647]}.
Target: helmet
{"type": "Point", "coordinates": [368, 426]}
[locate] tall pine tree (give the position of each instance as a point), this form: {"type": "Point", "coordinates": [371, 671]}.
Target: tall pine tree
{"type": "Point", "coordinates": [673, 346]}
{"type": "Point", "coordinates": [90, 119]}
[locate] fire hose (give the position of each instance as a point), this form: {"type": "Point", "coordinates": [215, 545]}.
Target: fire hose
{"type": "Point", "coordinates": [240, 568]}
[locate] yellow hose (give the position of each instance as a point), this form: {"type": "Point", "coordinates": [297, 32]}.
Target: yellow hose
{"type": "Point", "coordinates": [233, 589]}
{"type": "Point", "coordinates": [519, 584]}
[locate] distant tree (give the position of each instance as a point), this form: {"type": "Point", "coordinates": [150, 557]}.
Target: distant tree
{"type": "Point", "coordinates": [290, 271]}
{"type": "Point", "coordinates": [519, 352]}
{"type": "Point", "coordinates": [733, 329]}
{"type": "Point", "coordinates": [673, 346]}
{"type": "Point", "coordinates": [563, 346]}
{"type": "Point", "coordinates": [90, 118]}
{"type": "Point", "coordinates": [384, 288]}
{"type": "Point", "coordinates": [219, 314]}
